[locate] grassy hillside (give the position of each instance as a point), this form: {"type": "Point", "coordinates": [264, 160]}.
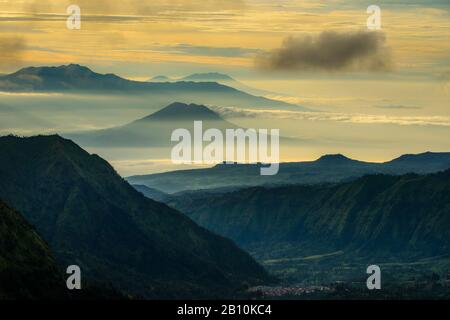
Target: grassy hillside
{"type": "Point", "coordinates": [376, 215]}
{"type": "Point", "coordinates": [91, 217]}
{"type": "Point", "coordinates": [27, 267]}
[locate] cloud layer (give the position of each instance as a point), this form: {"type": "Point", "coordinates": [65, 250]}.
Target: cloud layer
{"type": "Point", "coordinates": [331, 51]}
{"type": "Point", "coordinates": [228, 112]}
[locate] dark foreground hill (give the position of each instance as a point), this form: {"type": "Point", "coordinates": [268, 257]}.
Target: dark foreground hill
{"type": "Point", "coordinates": [151, 193]}
{"type": "Point", "coordinates": [91, 217]}
{"type": "Point", "coordinates": [376, 216]}
{"type": "Point", "coordinates": [27, 267]}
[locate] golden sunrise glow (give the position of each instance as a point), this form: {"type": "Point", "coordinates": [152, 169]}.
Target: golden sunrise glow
{"type": "Point", "coordinates": [371, 115]}
{"type": "Point", "coordinates": [149, 32]}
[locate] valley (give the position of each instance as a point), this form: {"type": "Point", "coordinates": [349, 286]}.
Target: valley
{"type": "Point", "coordinates": [327, 234]}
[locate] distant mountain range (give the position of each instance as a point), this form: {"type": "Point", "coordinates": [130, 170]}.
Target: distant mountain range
{"type": "Point", "coordinates": [92, 218]}
{"type": "Point", "coordinates": [27, 267]}
{"type": "Point", "coordinates": [210, 76]}
{"type": "Point", "coordinates": [75, 78]}
{"type": "Point", "coordinates": [214, 77]}
{"type": "Point", "coordinates": [329, 168]}
{"type": "Point", "coordinates": [179, 111]}
{"type": "Point", "coordinates": [196, 77]}
{"type": "Point", "coordinates": [160, 79]}
{"type": "Point", "coordinates": [379, 217]}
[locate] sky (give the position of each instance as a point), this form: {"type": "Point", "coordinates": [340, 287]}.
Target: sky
{"type": "Point", "coordinates": [389, 87]}
{"type": "Point", "coordinates": [137, 38]}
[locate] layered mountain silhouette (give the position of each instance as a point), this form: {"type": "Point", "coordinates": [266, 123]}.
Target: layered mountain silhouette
{"type": "Point", "coordinates": [92, 218]}
{"type": "Point", "coordinates": [154, 130]}
{"type": "Point", "coordinates": [225, 80]}
{"type": "Point", "coordinates": [376, 216]}
{"type": "Point", "coordinates": [214, 77]}
{"type": "Point", "coordinates": [28, 269]}
{"type": "Point", "coordinates": [328, 168]}
{"type": "Point", "coordinates": [178, 111]}
{"type": "Point", "coordinates": [196, 77]}
{"type": "Point", "coordinates": [75, 78]}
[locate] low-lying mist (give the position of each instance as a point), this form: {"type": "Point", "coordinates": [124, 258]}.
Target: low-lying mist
{"type": "Point", "coordinates": [31, 114]}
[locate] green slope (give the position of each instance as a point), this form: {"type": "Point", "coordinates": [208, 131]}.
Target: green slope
{"type": "Point", "coordinates": [91, 217]}
{"type": "Point", "coordinates": [27, 267]}
{"type": "Point", "coordinates": [374, 216]}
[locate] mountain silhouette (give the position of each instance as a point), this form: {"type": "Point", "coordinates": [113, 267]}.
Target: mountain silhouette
{"type": "Point", "coordinates": [181, 111]}
{"type": "Point", "coordinates": [154, 130]}
{"type": "Point", "coordinates": [335, 159]}
{"type": "Point", "coordinates": [328, 168]}
{"type": "Point", "coordinates": [91, 217]}
{"type": "Point", "coordinates": [210, 76]}
{"type": "Point", "coordinates": [423, 159]}
{"type": "Point", "coordinates": [226, 80]}
{"type": "Point", "coordinates": [215, 77]}
{"type": "Point", "coordinates": [75, 78]}
{"type": "Point", "coordinates": [62, 78]}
